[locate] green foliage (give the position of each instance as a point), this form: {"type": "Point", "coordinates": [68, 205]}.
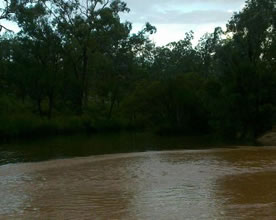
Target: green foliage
{"type": "Point", "coordinates": [173, 106]}
{"type": "Point", "coordinates": [77, 68]}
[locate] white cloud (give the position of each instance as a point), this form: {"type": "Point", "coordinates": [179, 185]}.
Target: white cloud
{"type": "Point", "coordinates": [173, 32]}
{"type": "Point", "coordinates": [175, 17]}
{"type": "Point", "coordinates": [10, 25]}
{"type": "Point", "coordinates": [192, 17]}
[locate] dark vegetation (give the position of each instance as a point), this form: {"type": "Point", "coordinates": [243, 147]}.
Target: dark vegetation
{"type": "Point", "coordinates": [76, 67]}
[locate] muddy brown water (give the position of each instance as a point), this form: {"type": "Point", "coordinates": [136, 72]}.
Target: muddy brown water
{"type": "Point", "coordinates": [68, 178]}
{"type": "Point", "coordinates": [188, 184]}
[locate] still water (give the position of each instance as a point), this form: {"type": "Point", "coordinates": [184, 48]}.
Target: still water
{"type": "Point", "coordinates": [229, 183]}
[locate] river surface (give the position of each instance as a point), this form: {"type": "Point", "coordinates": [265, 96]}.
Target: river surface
{"type": "Point", "coordinates": [229, 183]}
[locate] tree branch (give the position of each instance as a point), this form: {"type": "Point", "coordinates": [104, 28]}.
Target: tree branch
{"type": "Point", "coordinates": [7, 29]}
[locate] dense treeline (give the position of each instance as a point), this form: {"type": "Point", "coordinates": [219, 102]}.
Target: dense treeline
{"type": "Point", "coordinates": [75, 66]}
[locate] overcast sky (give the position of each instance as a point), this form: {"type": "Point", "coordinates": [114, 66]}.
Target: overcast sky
{"type": "Point", "coordinates": [173, 18]}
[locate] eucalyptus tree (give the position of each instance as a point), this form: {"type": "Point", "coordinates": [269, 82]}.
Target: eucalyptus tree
{"type": "Point", "coordinates": [36, 56]}
{"type": "Point", "coordinates": [207, 49]}
{"type": "Point", "coordinates": [7, 9]}
{"type": "Point", "coordinates": [124, 65]}
{"type": "Point", "coordinates": [246, 66]}
{"type": "Point", "coordinates": [175, 59]}
{"type": "Point", "coordinates": [75, 34]}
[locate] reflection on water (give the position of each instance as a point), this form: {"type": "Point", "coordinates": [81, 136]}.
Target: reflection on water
{"type": "Point", "coordinates": [79, 146]}
{"type": "Point", "coordinates": [204, 184]}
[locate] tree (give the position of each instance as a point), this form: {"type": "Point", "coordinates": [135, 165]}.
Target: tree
{"type": "Point", "coordinates": [7, 12]}
{"type": "Point", "coordinates": [247, 77]}
{"type": "Point", "coordinates": [207, 48]}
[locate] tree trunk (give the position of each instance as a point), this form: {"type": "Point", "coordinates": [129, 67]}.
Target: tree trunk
{"type": "Point", "coordinates": [50, 105]}
{"type": "Point", "coordinates": [84, 84]}
{"type": "Point", "coordinates": [39, 107]}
